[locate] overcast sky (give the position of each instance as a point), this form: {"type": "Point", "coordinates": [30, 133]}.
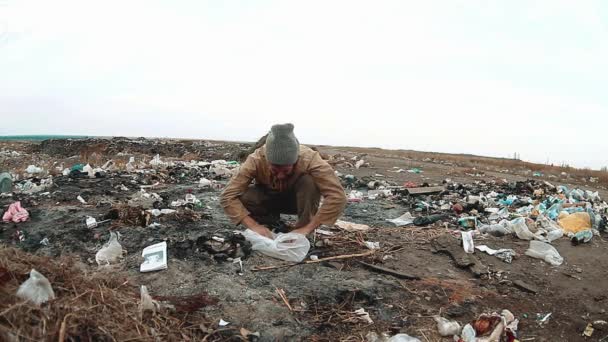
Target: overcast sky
{"type": "Point", "coordinates": [483, 77]}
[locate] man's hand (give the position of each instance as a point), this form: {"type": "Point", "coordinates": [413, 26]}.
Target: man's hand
{"type": "Point", "coordinates": [262, 231]}
{"type": "Point", "coordinates": [304, 231]}
{"type": "Point", "coordinates": [250, 223]}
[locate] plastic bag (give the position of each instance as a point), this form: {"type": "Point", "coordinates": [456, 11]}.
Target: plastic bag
{"type": "Point", "coordinates": [521, 229]}
{"type": "Point", "coordinates": [403, 338]}
{"type": "Point", "coordinates": [547, 224]}
{"type": "Point", "coordinates": [89, 170]}
{"type": "Point", "coordinates": [501, 229]}
{"type": "Point", "coordinates": [583, 236]}
{"type": "Point", "coordinates": [403, 220]}
{"type": "Point", "coordinates": [446, 327]}
{"type": "Point", "coordinates": [15, 213]}
{"type": "Point", "coordinates": [37, 289]}
{"type": "Point", "coordinates": [544, 251]}
{"type": "Point", "coordinates": [289, 247]}
{"type": "Point", "coordinates": [576, 222]}
{"type": "Point", "coordinates": [467, 241]}
{"type": "Point", "coordinates": [554, 235]}
{"type": "Point", "coordinates": [32, 169]}
{"type": "Point", "coordinates": [147, 303]}
{"type": "Point", "coordinates": [110, 252]}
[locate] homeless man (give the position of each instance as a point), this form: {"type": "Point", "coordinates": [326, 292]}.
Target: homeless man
{"type": "Point", "coordinates": [289, 179]}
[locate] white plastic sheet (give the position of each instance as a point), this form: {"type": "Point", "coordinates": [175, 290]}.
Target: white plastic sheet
{"type": "Point", "coordinates": [403, 220]}
{"type": "Point", "coordinates": [544, 251]}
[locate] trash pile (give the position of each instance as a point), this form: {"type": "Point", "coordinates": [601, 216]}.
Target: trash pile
{"type": "Point", "coordinates": [531, 210]}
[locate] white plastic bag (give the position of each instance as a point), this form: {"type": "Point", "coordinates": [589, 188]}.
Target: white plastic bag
{"type": "Point", "coordinates": [33, 169]}
{"type": "Point", "coordinates": [544, 251]}
{"type": "Point", "coordinates": [501, 229]}
{"type": "Point", "coordinates": [446, 327]}
{"type": "Point", "coordinates": [289, 247]}
{"type": "Point", "coordinates": [521, 229]}
{"type": "Point", "coordinates": [403, 338]}
{"type": "Point", "coordinates": [554, 235]}
{"type": "Point", "coordinates": [37, 289]}
{"type": "Point", "coordinates": [467, 241]}
{"type": "Point", "coordinates": [403, 220]}
{"type": "Point", "coordinates": [147, 303]}
{"type": "Point", "coordinates": [110, 252]}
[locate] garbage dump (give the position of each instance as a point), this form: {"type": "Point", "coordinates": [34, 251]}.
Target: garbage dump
{"type": "Point", "coordinates": [415, 256]}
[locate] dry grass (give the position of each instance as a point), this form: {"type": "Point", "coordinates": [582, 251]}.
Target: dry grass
{"type": "Point", "coordinates": [98, 307]}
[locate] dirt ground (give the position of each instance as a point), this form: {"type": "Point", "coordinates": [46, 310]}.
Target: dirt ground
{"type": "Point", "coordinates": [321, 297]}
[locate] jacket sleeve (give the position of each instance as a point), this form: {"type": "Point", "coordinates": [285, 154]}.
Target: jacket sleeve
{"type": "Point", "coordinates": [230, 201]}
{"type": "Point", "coordinates": [334, 197]}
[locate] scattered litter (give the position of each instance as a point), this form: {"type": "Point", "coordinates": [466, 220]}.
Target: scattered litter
{"type": "Point", "coordinates": [45, 242]}
{"type": "Point", "coordinates": [15, 213]}
{"type": "Point", "coordinates": [223, 323]}
{"type": "Point", "coordinates": [544, 251]}
{"type": "Point", "coordinates": [363, 316]}
{"type": "Point", "coordinates": [428, 220]}
{"type": "Point", "coordinates": [155, 258]}
{"type": "Point", "coordinates": [491, 327]}
{"type": "Point", "coordinates": [32, 169]}
{"type": "Point", "coordinates": [81, 200]}
{"type": "Point", "coordinates": [111, 252]}
{"type": "Point", "coordinates": [545, 318]}
{"type": "Point", "coordinates": [324, 232]}
{"type": "Point", "coordinates": [582, 236]}
{"type": "Point", "coordinates": [503, 254]}
{"type": "Point", "coordinates": [403, 220]}
{"type": "Point", "coordinates": [359, 163]}
{"type": "Point", "coordinates": [468, 222]}
{"type": "Point", "coordinates": [91, 222]}
{"type": "Point", "coordinates": [467, 241]}
{"type": "Point", "coordinates": [37, 289]}
{"type": "Point", "coordinates": [352, 227]}
{"type": "Point", "coordinates": [159, 212]}
{"type": "Point", "coordinates": [355, 196]}
{"type": "Point", "coordinates": [403, 338]}
{"type": "Point", "coordinates": [146, 302]}
{"type": "Point", "coordinates": [240, 262]}
{"type": "Point", "coordinates": [372, 245]}
{"type": "Point", "coordinates": [314, 257]}
{"type": "Point", "coordinates": [588, 330]}
{"type": "Point", "coordinates": [447, 327]}
{"type": "Point", "coordinates": [204, 183]}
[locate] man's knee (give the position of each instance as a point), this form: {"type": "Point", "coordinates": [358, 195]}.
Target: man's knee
{"type": "Point", "coordinates": [254, 199]}
{"type": "Point", "coordinates": [306, 185]}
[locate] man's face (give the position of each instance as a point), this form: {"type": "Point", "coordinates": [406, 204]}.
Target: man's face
{"type": "Point", "coordinates": [281, 172]}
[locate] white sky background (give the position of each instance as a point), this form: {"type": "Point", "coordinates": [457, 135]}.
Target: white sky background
{"type": "Point", "coordinates": [482, 77]}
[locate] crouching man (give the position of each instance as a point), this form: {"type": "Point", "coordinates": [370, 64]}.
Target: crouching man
{"type": "Point", "coordinates": [289, 179]}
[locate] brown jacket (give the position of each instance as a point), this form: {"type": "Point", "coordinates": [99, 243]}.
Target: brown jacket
{"type": "Point", "coordinates": [310, 162]}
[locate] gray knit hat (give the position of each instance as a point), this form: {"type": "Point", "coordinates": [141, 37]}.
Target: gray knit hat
{"type": "Point", "coordinates": [282, 146]}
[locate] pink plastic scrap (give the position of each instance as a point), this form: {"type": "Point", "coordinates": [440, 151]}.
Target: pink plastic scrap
{"type": "Point", "coordinates": [15, 213]}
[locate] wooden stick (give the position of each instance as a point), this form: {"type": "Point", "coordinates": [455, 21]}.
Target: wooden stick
{"type": "Point", "coordinates": [389, 271]}
{"type": "Point", "coordinates": [64, 324]}
{"type": "Point", "coordinates": [284, 298]}
{"type": "Point", "coordinates": [264, 268]}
